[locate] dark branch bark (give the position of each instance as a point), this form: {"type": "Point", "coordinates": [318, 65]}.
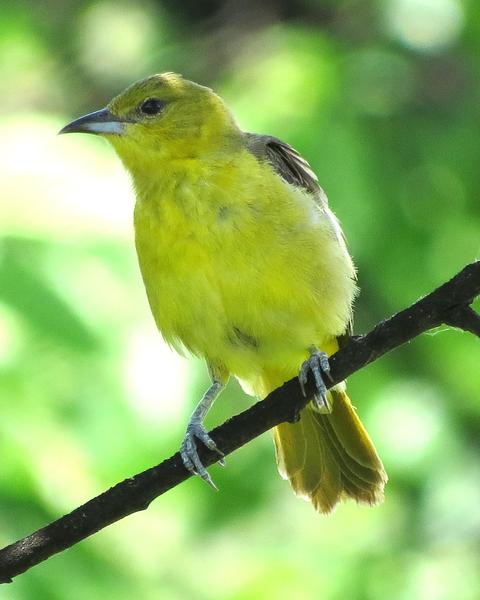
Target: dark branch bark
{"type": "Point", "coordinates": [449, 304]}
{"type": "Point", "coordinates": [464, 317]}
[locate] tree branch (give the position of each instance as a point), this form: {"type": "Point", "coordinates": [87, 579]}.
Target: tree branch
{"type": "Point", "coordinates": [449, 304]}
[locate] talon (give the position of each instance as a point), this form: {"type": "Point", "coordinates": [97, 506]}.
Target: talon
{"type": "Point", "coordinates": [210, 481]}
{"type": "Point", "coordinates": [189, 452]}
{"type": "Point", "coordinates": [207, 440]}
{"type": "Point", "coordinates": [324, 363]}
{"type": "Point", "coordinates": [187, 462]}
{"type": "Point", "coordinates": [302, 377]}
{"type": "Point", "coordinates": [322, 404]}
{"type": "Point", "coordinates": [195, 429]}
{"type": "Point", "coordinates": [318, 365]}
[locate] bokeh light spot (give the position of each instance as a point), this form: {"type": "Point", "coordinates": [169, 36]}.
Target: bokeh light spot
{"type": "Point", "coordinates": [406, 422]}
{"type": "Point", "coordinates": [115, 40]}
{"type": "Point", "coordinates": [425, 25]}
{"type": "Point", "coordinates": [156, 377]}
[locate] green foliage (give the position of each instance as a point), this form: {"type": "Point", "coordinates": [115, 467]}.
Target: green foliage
{"type": "Point", "coordinates": [382, 99]}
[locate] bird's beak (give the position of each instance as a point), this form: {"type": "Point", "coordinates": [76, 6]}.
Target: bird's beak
{"type": "Point", "coordinates": [101, 122]}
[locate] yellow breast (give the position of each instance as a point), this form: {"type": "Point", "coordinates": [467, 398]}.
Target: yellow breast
{"type": "Point", "coordinates": [240, 267]}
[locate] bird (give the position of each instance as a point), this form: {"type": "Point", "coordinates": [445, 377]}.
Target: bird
{"type": "Point", "coordinates": [245, 266]}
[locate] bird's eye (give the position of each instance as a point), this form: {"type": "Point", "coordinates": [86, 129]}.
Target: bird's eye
{"type": "Point", "coordinates": [152, 106]}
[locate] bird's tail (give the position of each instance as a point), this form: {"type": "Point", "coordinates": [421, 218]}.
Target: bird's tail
{"type": "Point", "coordinates": [329, 457]}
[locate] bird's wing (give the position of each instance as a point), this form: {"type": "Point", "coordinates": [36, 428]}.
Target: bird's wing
{"type": "Point", "coordinates": [293, 169]}
{"type": "Point", "coordinates": [287, 162]}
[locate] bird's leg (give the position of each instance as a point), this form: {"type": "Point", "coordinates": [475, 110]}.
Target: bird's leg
{"type": "Point", "coordinates": [195, 429]}
{"type": "Point", "coordinates": [319, 366]}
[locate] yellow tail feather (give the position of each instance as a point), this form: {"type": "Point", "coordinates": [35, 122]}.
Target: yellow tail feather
{"type": "Point", "coordinates": [330, 457]}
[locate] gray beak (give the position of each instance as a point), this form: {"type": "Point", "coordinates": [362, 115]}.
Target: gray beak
{"type": "Point", "coordinates": [99, 122]}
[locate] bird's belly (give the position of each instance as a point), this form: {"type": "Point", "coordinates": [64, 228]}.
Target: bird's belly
{"type": "Point", "coordinates": [247, 303]}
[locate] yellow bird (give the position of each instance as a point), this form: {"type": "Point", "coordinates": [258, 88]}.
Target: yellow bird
{"type": "Point", "coordinates": [246, 266]}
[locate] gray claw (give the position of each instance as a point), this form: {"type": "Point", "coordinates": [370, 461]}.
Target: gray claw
{"type": "Point", "coordinates": [324, 363]}
{"type": "Point", "coordinates": [316, 364]}
{"type": "Point", "coordinates": [189, 453]}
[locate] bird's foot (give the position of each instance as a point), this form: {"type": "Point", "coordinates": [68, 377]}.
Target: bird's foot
{"type": "Point", "coordinates": [189, 453]}
{"type": "Point", "coordinates": [318, 365]}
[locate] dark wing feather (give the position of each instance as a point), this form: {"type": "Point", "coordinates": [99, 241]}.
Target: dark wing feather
{"type": "Point", "coordinates": [287, 162]}
{"type": "Point", "coordinates": [293, 169]}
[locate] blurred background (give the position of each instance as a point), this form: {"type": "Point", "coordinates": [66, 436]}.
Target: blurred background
{"type": "Point", "coordinates": [383, 99]}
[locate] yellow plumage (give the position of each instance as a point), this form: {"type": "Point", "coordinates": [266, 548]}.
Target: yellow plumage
{"type": "Point", "coordinates": [245, 269]}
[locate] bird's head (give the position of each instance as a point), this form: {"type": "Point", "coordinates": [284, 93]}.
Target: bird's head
{"type": "Point", "coordinates": [162, 116]}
